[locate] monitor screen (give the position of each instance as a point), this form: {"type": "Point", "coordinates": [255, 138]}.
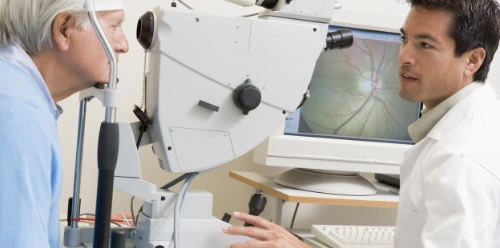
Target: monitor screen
{"type": "Point", "coordinates": [354, 93]}
{"type": "Point", "coordinates": [354, 120]}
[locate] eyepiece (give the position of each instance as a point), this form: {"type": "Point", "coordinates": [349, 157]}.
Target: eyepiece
{"type": "Point", "coordinates": [339, 39]}
{"type": "Point", "coordinates": [145, 30]}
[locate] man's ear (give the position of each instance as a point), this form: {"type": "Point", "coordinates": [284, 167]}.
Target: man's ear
{"type": "Point", "coordinates": [61, 26]}
{"type": "Point", "coordinates": [475, 60]}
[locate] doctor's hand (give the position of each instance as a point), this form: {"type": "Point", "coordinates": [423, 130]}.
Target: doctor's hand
{"type": "Point", "coordinates": [265, 234]}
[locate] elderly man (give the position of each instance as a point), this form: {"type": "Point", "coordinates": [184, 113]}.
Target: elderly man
{"type": "Point", "coordinates": [48, 51]}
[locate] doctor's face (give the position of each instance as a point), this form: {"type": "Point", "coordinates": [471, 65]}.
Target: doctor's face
{"type": "Point", "coordinates": [429, 71]}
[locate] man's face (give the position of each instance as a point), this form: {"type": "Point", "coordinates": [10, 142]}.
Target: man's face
{"type": "Point", "coordinates": [89, 59]}
{"type": "Point", "coordinates": [429, 71]}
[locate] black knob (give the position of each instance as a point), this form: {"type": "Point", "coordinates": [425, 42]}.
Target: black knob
{"type": "Point", "coordinates": [247, 97]}
{"type": "Point", "coordinates": [256, 205]}
{"type": "Point", "coordinates": [268, 4]}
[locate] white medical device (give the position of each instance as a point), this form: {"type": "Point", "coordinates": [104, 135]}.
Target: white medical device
{"type": "Point", "coordinates": [218, 83]}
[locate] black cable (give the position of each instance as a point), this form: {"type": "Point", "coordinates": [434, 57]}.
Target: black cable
{"type": "Point", "coordinates": [138, 213]}
{"type": "Point", "coordinates": [294, 215]}
{"type": "Point", "coordinates": [174, 182]}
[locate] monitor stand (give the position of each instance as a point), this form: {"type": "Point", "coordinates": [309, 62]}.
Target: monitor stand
{"type": "Point", "coordinates": [329, 182]}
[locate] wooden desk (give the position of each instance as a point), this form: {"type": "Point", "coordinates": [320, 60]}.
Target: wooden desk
{"type": "Point", "coordinates": [383, 199]}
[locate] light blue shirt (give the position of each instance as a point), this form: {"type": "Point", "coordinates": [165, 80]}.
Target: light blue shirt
{"type": "Point", "coordinates": [30, 155]}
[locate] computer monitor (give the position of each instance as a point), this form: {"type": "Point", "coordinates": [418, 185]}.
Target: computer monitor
{"type": "Point", "coordinates": [354, 120]}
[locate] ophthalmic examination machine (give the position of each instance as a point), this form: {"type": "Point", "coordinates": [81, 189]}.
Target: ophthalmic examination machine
{"type": "Point", "coordinates": [217, 84]}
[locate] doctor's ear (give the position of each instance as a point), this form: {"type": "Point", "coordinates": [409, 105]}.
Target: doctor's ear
{"type": "Point", "coordinates": [62, 24]}
{"type": "Point", "coordinates": [475, 60]}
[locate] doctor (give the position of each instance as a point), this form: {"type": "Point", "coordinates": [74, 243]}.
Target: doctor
{"type": "Point", "coordinates": [450, 193]}
{"type": "Point", "coordinates": [48, 51]}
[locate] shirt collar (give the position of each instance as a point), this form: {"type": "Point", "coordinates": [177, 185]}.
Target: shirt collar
{"type": "Point", "coordinates": [420, 128]}
{"type": "Point", "coordinates": [18, 56]}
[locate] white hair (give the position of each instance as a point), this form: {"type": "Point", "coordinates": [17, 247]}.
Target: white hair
{"type": "Point", "coordinates": [28, 23]}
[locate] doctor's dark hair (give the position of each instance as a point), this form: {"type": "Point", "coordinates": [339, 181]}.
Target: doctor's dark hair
{"type": "Point", "coordinates": [476, 23]}
{"type": "Point", "coordinates": [28, 23]}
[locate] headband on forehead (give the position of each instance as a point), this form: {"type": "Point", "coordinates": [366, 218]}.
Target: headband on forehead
{"type": "Point", "coordinates": [103, 5]}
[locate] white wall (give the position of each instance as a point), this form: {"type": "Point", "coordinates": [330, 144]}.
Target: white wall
{"type": "Point", "coordinates": [229, 195]}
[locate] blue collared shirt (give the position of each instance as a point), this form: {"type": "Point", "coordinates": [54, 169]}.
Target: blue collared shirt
{"type": "Point", "coordinates": [30, 155]}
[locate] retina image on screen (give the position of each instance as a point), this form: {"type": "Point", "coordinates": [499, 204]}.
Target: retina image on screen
{"type": "Point", "coordinates": [355, 106]}
{"type": "Point", "coordinates": [354, 93]}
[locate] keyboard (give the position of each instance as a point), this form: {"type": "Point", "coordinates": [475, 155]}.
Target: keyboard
{"type": "Point", "coordinates": [347, 236]}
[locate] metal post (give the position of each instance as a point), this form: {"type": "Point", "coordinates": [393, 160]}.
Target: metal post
{"type": "Point", "coordinates": [107, 147]}
{"type": "Point", "coordinates": [75, 208]}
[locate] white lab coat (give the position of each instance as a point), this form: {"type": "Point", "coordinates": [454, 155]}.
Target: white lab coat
{"type": "Point", "coordinates": [450, 193]}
